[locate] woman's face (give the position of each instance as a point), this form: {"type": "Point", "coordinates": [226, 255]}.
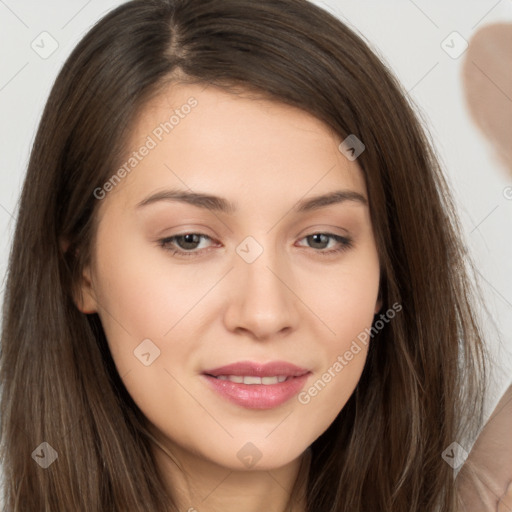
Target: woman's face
{"type": "Point", "coordinates": [185, 285]}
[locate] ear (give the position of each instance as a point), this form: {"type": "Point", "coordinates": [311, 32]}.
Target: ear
{"type": "Point", "coordinates": [378, 304]}
{"type": "Point", "coordinates": [84, 295]}
{"type": "Point", "coordinates": [83, 291]}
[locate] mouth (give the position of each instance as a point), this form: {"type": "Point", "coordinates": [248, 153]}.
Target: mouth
{"type": "Point", "coordinates": [248, 369]}
{"type": "Point", "coordinates": [252, 379]}
{"type": "Point", "coordinates": [256, 385]}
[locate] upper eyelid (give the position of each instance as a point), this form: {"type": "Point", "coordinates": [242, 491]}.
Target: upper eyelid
{"type": "Point", "coordinates": [312, 230]}
{"type": "Point", "coordinates": [204, 235]}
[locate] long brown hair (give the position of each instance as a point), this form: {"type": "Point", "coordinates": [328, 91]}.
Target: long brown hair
{"type": "Point", "coordinates": [422, 385]}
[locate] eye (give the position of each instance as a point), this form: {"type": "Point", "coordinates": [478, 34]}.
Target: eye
{"type": "Point", "coordinates": [186, 243]}
{"type": "Point", "coordinates": [189, 244]}
{"type": "Point", "coordinates": [341, 243]}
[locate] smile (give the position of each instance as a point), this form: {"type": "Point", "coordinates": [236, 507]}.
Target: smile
{"type": "Point", "coordinates": [251, 379]}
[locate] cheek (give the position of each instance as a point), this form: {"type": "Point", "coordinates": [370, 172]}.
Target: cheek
{"type": "Point", "coordinates": [144, 306]}
{"type": "Point", "coordinates": [142, 298]}
{"type": "Point", "coordinates": [344, 297]}
{"type": "Point", "coordinates": [346, 307]}
{"type": "Point", "coordinates": [140, 289]}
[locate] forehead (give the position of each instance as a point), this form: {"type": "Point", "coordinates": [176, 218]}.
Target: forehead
{"type": "Point", "coordinates": [200, 137]}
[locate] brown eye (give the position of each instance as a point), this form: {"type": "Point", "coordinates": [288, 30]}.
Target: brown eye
{"type": "Point", "coordinates": [184, 244]}
{"type": "Point", "coordinates": [320, 241]}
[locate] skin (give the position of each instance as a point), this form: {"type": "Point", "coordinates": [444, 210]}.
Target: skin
{"type": "Point", "coordinates": [485, 480]}
{"type": "Point", "coordinates": [204, 311]}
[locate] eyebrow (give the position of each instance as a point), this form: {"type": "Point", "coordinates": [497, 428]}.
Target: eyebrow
{"type": "Point", "coordinates": [220, 204]}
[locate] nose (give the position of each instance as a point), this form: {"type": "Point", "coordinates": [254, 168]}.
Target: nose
{"type": "Point", "coordinates": [262, 302]}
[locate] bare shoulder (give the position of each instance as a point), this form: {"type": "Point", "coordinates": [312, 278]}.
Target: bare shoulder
{"type": "Point", "coordinates": [484, 482]}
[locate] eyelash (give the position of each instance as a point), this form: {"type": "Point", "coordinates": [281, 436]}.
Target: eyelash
{"type": "Point", "coordinates": [345, 244]}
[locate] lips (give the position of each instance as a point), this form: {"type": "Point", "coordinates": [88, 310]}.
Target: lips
{"type": "Point", "coordinates": [250, 369]}
{"type": "Point", "coordinates": [257, 386]}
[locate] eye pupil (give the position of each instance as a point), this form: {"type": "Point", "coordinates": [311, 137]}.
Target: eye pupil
{"type": "Point", "coordinates": [190, 238]}
{"type": "Point", "coordinates": [320, 238]}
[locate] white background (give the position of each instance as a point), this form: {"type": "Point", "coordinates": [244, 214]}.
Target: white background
{"type": "Point", "coordinates": [406, 34]}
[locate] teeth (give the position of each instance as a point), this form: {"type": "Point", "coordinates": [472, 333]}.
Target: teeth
{"type": "Point", "coordinates": [249, 379]}
{"type": "Point", "coordinates": [252, 380]}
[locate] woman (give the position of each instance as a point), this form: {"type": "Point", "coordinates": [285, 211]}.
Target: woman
{"type": "Point", "coordinates": [236, 281]}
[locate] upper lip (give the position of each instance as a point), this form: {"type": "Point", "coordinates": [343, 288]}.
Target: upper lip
{"type": "Point", "coordinates": [249, 368]}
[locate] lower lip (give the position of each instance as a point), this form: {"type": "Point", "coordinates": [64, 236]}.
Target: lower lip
{"type": "Point", "coordinates": [258, 396]}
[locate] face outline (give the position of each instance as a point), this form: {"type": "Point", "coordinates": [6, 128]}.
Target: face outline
{"type": "Point", "coordinates": [216, 308]}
